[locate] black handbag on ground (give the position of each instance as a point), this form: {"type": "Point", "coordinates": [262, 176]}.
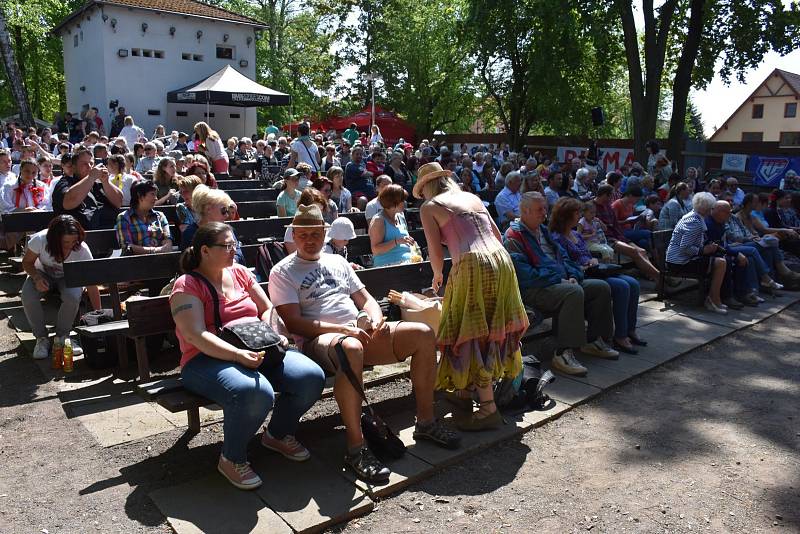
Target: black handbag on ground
{"type": "Point", "coordinates": [603, 270]}
{"type": "Point", "coordinates": [256, 336]}
{"type": "Point", "coordinates": [382, 441]}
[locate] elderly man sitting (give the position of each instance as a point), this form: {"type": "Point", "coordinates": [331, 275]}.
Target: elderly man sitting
{"type": "Point", "coordinates": [732, 185]}
{"type": "Point", "coordinates": [553, 283]}
{"type": "Point", "coordinates": [322, 301]}
{"type": "Point", "coordinates": [507, 201]}
{"type": "Point", "coordinates": [689, 252]}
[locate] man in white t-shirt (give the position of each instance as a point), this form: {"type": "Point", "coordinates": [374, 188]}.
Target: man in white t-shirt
{"type": "Point", "coordinates": [6, 176]}
{"type": "Point", "coordinates": [322, 301]}
{"type": "Point", "coordinates": [304, 149]}
{"type": "Point", "coordinates": [373, 206]}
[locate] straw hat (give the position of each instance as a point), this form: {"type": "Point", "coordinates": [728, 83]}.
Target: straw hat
{"type": "Point", "coordinates": [308, 217]}
{"type": "Point", "coordinates": [426, 173]}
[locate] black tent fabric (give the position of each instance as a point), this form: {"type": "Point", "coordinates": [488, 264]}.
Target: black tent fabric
{"type": "Point", "coordinates": [228, 87]}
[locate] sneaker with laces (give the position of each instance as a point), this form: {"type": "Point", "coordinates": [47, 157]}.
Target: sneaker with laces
{"type": "Point", "coordinates": [288, 446]}
{"type": "Point", "coordinates": [366, 466]}
{"type": "Point", "coordinates": [567, 363]}
{"type": "Point", "coordinates": [240, 475]}
{"type": "Point", "coordinates": [438, 433]}
{"type": "Point", "coordinates": [42, 349]}
{"type": "Point", "coordinates": [599, 349]}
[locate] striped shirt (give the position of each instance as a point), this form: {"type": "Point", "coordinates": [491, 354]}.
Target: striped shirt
{"type": "Point", "coordinates": [151, 232]}
{"type": "Point", "coordinates": [687, 239]}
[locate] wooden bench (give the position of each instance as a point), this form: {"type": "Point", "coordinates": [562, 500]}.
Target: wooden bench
{"type": "Point", "coordinates": [250, 195]}
{"type": "Point", "coordinates": [34, 221]}
{"type": "Point", "coordinates": [152, 316]}
{"type": "Point", "coordinates": [103, 242]}
{"type": "Point", "coordinates": [230, 185]}
{"type": "Point", "coordinates": [661, 239]}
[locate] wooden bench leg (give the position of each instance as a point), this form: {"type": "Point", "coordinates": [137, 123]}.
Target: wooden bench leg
{"type": "Point", "coordinates": [142, 358]}
{"type": "Point", "coordinates": [122, 344]}
{"type": "Point", "coordinates": [194, 420]}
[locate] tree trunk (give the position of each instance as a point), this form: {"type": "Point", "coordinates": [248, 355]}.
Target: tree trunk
{"type": "Point", "coordinates": [683, 81]}
{"type": "Point", "coordinates": [15, 79]}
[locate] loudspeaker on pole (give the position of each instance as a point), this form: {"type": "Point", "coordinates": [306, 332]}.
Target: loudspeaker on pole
{"type": "Point", "coordinates": [598, 117]}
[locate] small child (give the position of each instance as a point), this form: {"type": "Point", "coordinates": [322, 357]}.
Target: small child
{"type": "Point", "coordinates": [340, 233]}
{"type": "Point", "coordinates": [648, 219]}
{"type": "Point", "coordinates": [592, 232]}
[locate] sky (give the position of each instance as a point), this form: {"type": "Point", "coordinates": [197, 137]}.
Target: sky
{"type": "Point", "coordinates": [719, 101]}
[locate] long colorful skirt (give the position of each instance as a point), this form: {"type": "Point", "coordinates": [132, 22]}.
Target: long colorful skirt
{"type": "Point", "coordinates": [482, 322]}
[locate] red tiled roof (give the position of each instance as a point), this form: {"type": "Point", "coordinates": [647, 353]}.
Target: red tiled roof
{"type": "Point", "coordinates": [191, 8]}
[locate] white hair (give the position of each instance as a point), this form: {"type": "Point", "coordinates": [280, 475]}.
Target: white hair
{"type": "Point", "coordinates": [581, 173]}
{"type": "Point", "coordinates": [529, 198]}
{"type": "Point", "coordinates": [703, 202]}
{"type": "Point", "coordinates": [511, 176]}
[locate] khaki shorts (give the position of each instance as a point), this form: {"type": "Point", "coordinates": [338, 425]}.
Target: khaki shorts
{"type": "Point", "coordinates": [322, 349]}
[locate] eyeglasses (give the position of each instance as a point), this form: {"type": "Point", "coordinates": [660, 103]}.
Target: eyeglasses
{"type": "Point", "coordinates": [225, 211]}
{"type": "Point", "coordinates": [229, 247]}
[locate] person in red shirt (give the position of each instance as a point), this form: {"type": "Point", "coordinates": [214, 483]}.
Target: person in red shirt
{"type": "Point", "coordinates": [624, 209]}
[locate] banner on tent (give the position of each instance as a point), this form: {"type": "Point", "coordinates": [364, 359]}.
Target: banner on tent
{"type": "Point", "coordinates": [770, 170]}
{"type": "Point", "coordinates": [611, 159]}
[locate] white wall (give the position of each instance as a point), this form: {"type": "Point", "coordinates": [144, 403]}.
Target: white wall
{"type": "Point", "coordinates": [84, 63]}
{"type": "Point", "coordinates": [141, 83]}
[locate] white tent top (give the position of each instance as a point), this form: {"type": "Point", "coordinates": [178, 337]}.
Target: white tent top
{"type": "Point", "coordinates": [229, 87]}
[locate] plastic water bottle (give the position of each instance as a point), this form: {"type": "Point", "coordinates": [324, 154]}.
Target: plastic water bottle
{"type": "Point", "coordinates": [68, 355]}
{"type": "Point", "coordinates": [58, 354]}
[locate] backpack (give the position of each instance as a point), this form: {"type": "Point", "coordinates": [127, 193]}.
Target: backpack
{"type": "Point", "coordinates": [269, 254]}
{"type": "Point", "coordinates": [525, 391]}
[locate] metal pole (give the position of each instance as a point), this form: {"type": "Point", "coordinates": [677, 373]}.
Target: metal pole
{"type": "Point", "coordinates": [373, 106]}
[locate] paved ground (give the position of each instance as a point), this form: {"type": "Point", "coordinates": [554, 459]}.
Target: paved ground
{"type": "Point", "coordinates": [734, 400]}
{"type": "Point", "coordinates": [709, 442]}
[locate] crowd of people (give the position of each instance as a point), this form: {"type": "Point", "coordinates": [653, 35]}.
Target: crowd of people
{"type": "Point", "coordinates": [543, 235]}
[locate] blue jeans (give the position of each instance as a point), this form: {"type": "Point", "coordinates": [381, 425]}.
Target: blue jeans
{"type": "Point", "coordinates": [247, 395]}
{"type": "Point", "coordinates": [772, 256]}
{"type": "Point", "coordinates": [625, 303]}
{"type": "Point", "coordinates": [643, 238]}
{"type": "Point", "coordinates": [748, 279]}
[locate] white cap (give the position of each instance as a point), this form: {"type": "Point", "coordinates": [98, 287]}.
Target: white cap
{"type": "Point", "coordinates": [341, 228]}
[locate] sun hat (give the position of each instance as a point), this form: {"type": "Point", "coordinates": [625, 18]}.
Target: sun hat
{"type": "Point", "coordinates": [308, 217]}
{"type": "Point", "coordinates": [342, 228]}
{"type": "Point", "coordinates": [426, 173]}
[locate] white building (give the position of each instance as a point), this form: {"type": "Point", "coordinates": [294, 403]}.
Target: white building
{"type": "Point", "coordinates": [136, 51]}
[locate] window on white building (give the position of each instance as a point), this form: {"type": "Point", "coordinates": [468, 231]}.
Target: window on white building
{"type": "Point", "coordinates": [186, 57]}
{"type": "Point", "coordinates": [136, 52]}
{"type": "Point", "coordinates": [208, 115]}
{"type": "Point", "coordinates": [181, 114]}
{"type": "Point", "coordinates": [154, 112]}
{"type": "Point", "coordinates": [226, 52]}
{"type": "Point", "coordinates": [752, 137]}
{"type": "Point", "coordinates": [197, 57]}
{"type": "Point", "coordinates": [75, 40]}
{"type": "Point", "coordinates": [790, 139]}
{"type": "Point", "coordinates": [147, 53]}
{"type": "Point", "coordinates": [235, 116]}
{"type": "Point", "coordinates": [158, 54]}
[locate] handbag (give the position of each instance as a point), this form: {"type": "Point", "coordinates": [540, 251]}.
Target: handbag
{"type": "Point", "coordinates": [256, 336]}
{"type": "Point", "coordinates": [603, 270]}
{"type": "Point", "coordinates": [382, 441]}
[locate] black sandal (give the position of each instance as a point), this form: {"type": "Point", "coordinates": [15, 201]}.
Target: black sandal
{"type": "Point", "coordinates": [636, 341]}
{"type": "Point", "coordinates": [622, 348]}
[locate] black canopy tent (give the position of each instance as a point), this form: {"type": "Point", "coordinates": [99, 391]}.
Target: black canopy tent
{"type": "Point", "coordinates": [228, 87]}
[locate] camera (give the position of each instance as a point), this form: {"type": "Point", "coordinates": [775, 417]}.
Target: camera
{"type": "Point", "coordinates": [114, 104]}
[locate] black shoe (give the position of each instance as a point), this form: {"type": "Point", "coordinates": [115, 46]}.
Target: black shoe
{"type": "Point", "coordinates": [439, 434]}
{"type": "Point", "coordinates": [636, 341]}
{"type": "Point", "coordinates": [622, 348]}
{"type": "Point", "coordinates": [366, 466]}
{"type": "Point", "coordinates": [732, 304]}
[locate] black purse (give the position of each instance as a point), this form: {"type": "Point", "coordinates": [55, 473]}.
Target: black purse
{"type": "Point", "coordinates": [256, 336]}
{"type": "Point", "coordinates": [382, 441]}
{"type": "Point", "coordinates": [603, 270]}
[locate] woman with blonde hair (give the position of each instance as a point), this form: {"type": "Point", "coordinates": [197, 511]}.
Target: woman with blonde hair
{"type": "Point", "coordinates": [210, 205]}
{"type": "Point", "coordinates": [212, 147]}
{"type": "Point", "coordinates": [164, 178]}
{"type": "Point", "coordinates": [483, 318]}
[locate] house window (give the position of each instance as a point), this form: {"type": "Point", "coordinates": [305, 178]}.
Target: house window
{"type": "Point", "coordinates": [181, 114]}
{"type": "Point", "coordinates": [790, 139]}
{"type": "Point", "coordinates": [186, 57]}
{"type": "Point", "coordinates": [225, 52]}
{"type": "Point", "coordinates": [758, 111]}
{"type": "Point", "coordinates": [752, 137]}
{"type": "Point", "coordinates": [208, 115]}
{"type": "Point", "coordinates": [197, 57]}
{"type": "Point", "coordinates": [75, 40]}
{"type": "Point", "coordinates": [154, 112]}
{"type": "Point", "coordinates": [137, 52]}
{"type": "Point", "coordinates": [235, 116]}
{"type": "Point", "coordinates": [158, 54]}
{"type": "Point", "coordinates": [147, 53]}
{"type": "Point", "coordinates": [790, 110]}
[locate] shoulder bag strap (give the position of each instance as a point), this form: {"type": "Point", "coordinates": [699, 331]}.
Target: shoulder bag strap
{"type": "Point", "coordinates": [313, 159]}
{"type": "Point", "coordinates": [214, 297]}
{"type": "Point", "coordinates": [344, 364]}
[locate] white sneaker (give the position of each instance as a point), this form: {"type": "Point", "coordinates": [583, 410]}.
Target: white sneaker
{"type": "Point", "coordinates": [42, 349]}
{"type": "Point", "coordinates": [599, 349]}
{"type": "Point", "coordinates": [76, 348]}
{"type": "Point", "coordinates": [568, 364]}
{"type": "Point", "coordinates": [710, 306]}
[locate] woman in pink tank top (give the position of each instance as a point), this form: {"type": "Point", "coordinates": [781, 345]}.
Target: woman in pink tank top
{"type": "Point", "coordinates": [483, 318]}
